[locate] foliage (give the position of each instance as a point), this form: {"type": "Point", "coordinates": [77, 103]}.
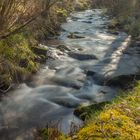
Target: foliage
{"type": "Point", "coordinates": [82, 4]}
{"type": "Point", "coordinates": [124, 12]}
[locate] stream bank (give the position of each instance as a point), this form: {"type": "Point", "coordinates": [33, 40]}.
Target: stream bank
{"type": "Point", "coordinates": [85, 68]}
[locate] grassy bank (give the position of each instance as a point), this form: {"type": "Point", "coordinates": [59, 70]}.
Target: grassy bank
{"type": "Point", "coordinates": [118, 120]}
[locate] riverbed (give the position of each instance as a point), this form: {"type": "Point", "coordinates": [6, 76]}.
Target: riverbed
{"type": "Point", "coordinates": [76, 73]}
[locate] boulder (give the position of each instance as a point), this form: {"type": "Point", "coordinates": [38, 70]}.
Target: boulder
{"type": "Point", "coordinates": [63, 48]}
{"type": "Point", "coordinates": [123, 80]}
{"type": "Point", "coordinates": [41, 51]}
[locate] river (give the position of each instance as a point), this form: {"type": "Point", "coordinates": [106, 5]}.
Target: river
{"type": "Point", "coordinates": [75, 74]}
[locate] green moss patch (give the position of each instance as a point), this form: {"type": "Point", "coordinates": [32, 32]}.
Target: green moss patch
{"type": "Point", "coordinates": [118, 121]}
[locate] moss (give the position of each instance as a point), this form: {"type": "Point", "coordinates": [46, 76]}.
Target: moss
{"type": "Point", "coordinates": [84, 112]}
{"type": "Point", "coordinates": [16, 57]}
{"type": "Point", "coordinates": [119, 121]}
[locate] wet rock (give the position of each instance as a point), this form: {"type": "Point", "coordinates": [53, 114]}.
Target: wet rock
{"type": "Point", "coordinates": [75, 18]}
{"type": "Point", "coordinates": [114, 78]}
{"type": "Point", "coordinates": [90, 18]}
{"type": "Point", "coordinates": [123, 80]}
{"type": "Point", "coordinates": [99, 78]}
{"type": "Point", "coordinates": [63, 48]}
{"type": "Point", "coordinates": [80, 49]}
{"type": "Point", "coordinates": [83, 111]}
{"type": "Point", "coordinates": [41, 51]}
{"type": "Point", "coordinates": [90, 73]}
{"type": "Point", "coordinates": [81, 57]}
{"type": "Point", "coordinates": [87, 22]}
{"type": "Point", "coordinates": [114, 32]}
{"type": "Point", "coordinates": [74, 36]}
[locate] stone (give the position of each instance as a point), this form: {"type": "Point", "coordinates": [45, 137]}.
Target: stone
{"type": "Point", "coordinates": [122, 80]}
{"type": "Point", "coordinates": [80, 56]}
{"type": "Point", "coordinates": [74, 36]}
{"type": "Point", "coordinates": [40, 49]}
{"type": "Point", "coordinates": [87, 22]}
{"type": "Point", "coordinates": [63, 48]}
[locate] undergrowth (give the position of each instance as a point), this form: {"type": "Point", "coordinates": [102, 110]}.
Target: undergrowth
{"type": "Point", "coordinates": [125, 14]}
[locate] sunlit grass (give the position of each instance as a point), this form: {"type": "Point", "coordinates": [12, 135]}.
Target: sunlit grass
{"type": "Point", "coordinates": [119, 120]}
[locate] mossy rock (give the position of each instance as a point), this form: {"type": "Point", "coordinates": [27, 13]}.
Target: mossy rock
{"type": "Point", "coordinates": [84, 111]}
{"type": "Point", "coordinates": [41, 52]}
{"type": "Point", "coordinates": [63, 48]}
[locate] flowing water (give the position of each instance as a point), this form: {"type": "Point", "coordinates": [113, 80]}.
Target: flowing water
{"type": "Point", "coordinates": [73, 76]}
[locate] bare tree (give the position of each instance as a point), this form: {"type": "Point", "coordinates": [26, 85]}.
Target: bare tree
{"type": "Point", "coordinates": [15, 14]}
